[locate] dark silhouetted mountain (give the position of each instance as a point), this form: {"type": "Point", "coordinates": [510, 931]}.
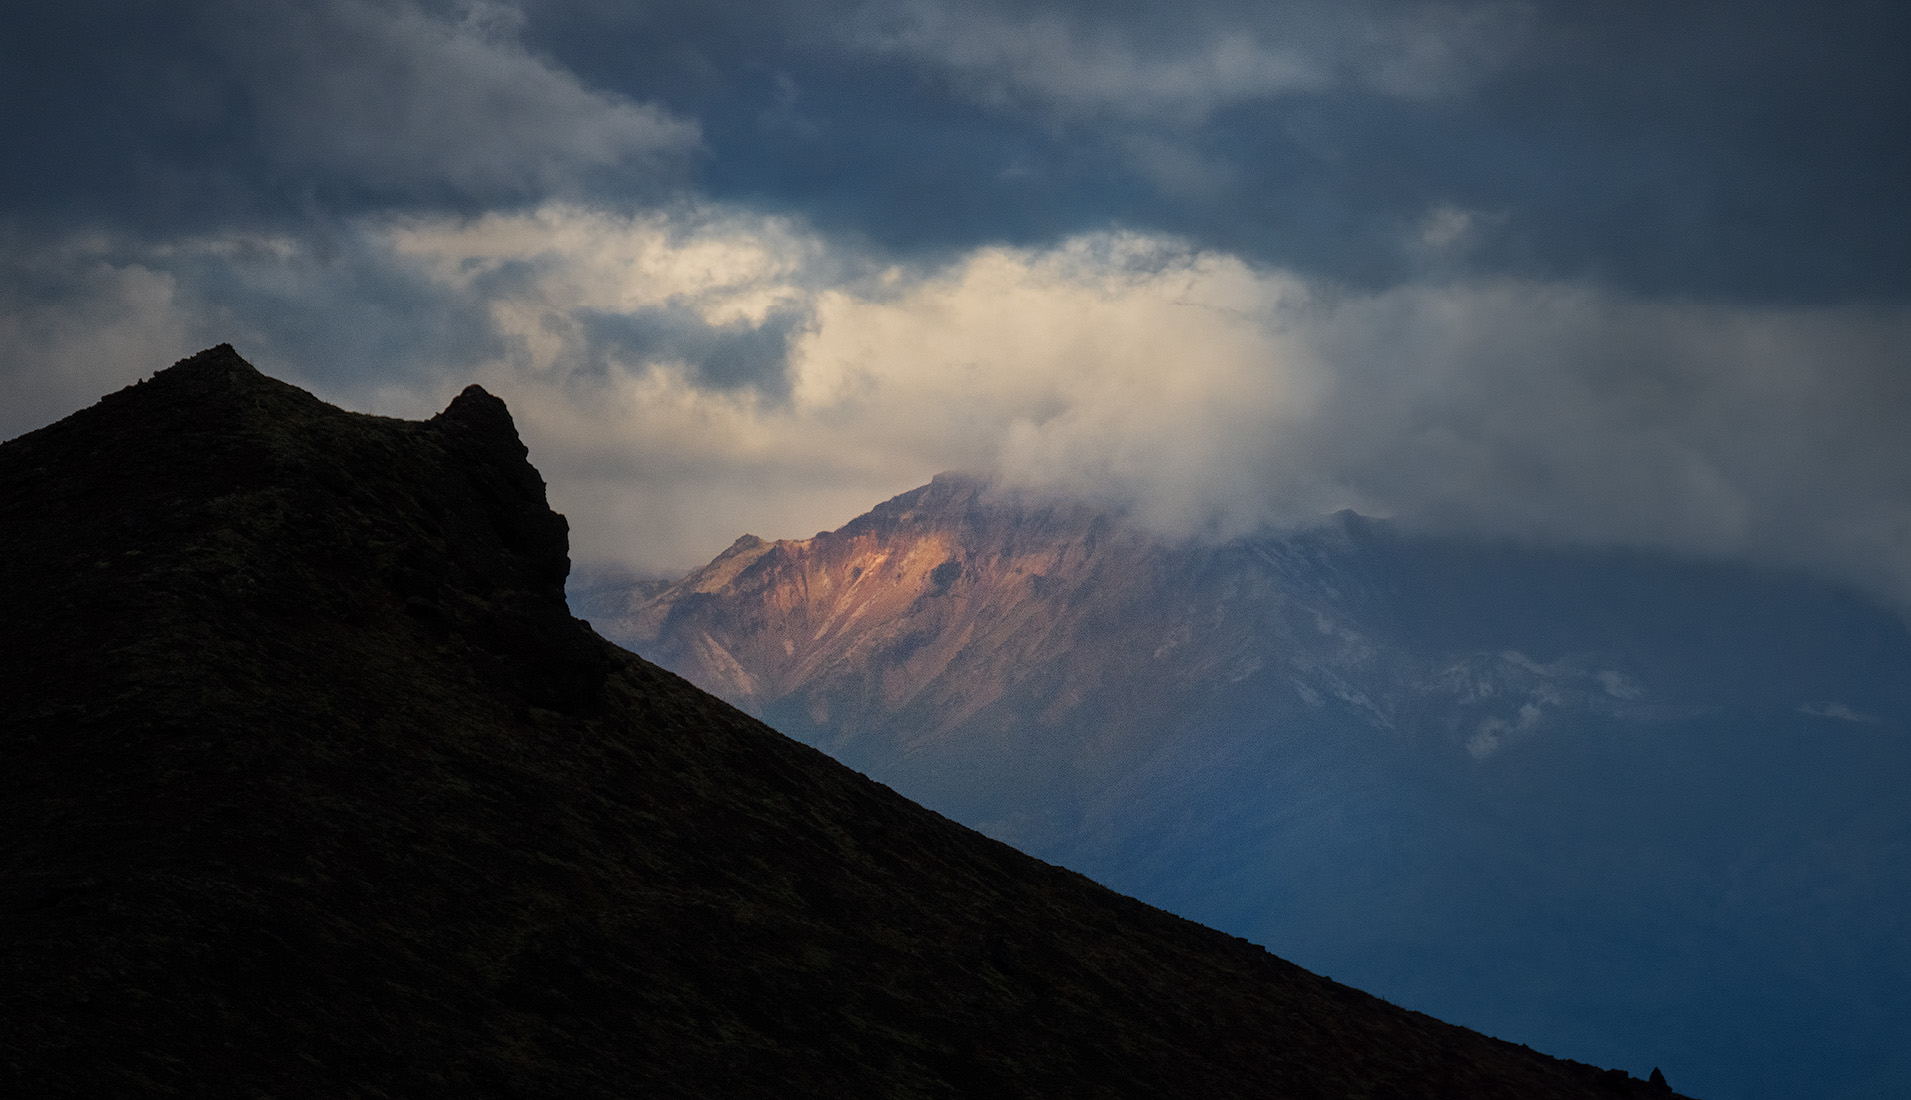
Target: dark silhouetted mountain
{"type": "Point", "coordinates": [310, 786]}
{"type": "Point", "coordinates": [1631, 808]}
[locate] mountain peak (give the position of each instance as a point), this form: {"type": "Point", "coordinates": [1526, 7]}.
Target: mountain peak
{"type": "Point", "coordinates": [476, 411]}
{"type": "Point", "coordinates": [211, 375]}
{"type": "Point", "coordinates": [221, 361]}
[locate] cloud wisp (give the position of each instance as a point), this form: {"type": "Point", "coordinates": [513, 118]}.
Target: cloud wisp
{"type": "Point", "coordinates": [1179, 68]}
{"type": "Point", "coordinates": [396, 98]}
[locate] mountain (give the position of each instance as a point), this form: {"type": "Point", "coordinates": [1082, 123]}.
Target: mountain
{"type": "Point", "coordinates": [1622, 806]}
{"type": "Point", "coordinates": [313, 787]}
{"type": "Point", "coordinates": [988, 634]}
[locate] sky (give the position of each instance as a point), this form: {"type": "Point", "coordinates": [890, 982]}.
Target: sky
{"type": "Point", "coordinates": [1618, 274]}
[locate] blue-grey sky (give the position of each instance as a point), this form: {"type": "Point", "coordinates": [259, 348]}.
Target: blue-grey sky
{"type": "Point", "coordinates": [1625, 273]}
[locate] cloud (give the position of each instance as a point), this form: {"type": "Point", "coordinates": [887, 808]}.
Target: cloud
{"type": "Point", "coordinates": [573, 288]}
{"type": "Point", "coordinates": [865, 379]}
{"type": "Point", "coordinates": [1618, 685]}
{"type": "Point", "coordinates": [1494, 734]}
{"type": "Point", "coordinates": [687, 373]}
{"type": "Point", "coordinates": [727, 267]}
{"type": "Point", "coordinates": [1565, 412]}
{"type": "Point", "coordinates": [210, 114]}
{"type": "Point", "coordinates": [1049, 60]}
{"type": "Point", "coordinates": [336, 312]}
{"type": "Point", "coordinates": [1209, 395]}
{"type": "Point", "coordinates": [1181, 67]}
{"type": "Point", "coordinates": [1839, 711]}
{"type": "Point", "coordinates": [77, 325]}
{"type": "Point", "coordinates": [1698, 150]}
{"type": "Point", "coordinates": [1202, 393]}
{"type": "Point", "coordinates": [395, 97]}
{"type": "Point", "coordinates": [1126, 368]}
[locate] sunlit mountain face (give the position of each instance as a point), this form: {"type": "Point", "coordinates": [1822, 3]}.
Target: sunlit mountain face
{"type": "Point", "coordinates": [1626, 807]}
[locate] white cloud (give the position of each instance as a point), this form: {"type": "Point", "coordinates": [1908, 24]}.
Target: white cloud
{"type": "Point", "coordinates": [1618, 685]}
{"type": "Point", "coordinates": [725, 268]}
{"type": "Point", "coordinates": [1119, 365]}
{"type": "Point", "coordinates": [1839, 711]}
{"type": "Point", "coordinates": [1009, 358]}
{"type": "Point", "coordinates": [1203, 393]}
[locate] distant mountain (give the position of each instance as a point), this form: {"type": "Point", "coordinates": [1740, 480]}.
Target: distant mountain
{"type": "Point", "coordinates": [1018, 636]}
{"type": "Point", "coordinates": [313, 787]}
{"type": "Point", "coordinates": [1626, 806]}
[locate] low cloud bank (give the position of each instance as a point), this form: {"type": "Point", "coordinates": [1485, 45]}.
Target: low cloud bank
{"type": "Point", "coordinates": [687, 374]}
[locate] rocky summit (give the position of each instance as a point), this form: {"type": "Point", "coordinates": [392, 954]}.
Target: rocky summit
{"type": "Point", "coordinates": [312, 787]}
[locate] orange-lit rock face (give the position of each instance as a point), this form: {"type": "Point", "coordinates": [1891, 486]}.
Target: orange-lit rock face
{"type": "Point", "coordinates": [941, 590]}
{"type": "Point", "coordinates": [957, 597]}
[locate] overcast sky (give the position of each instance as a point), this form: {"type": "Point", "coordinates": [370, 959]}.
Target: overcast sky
{"type": "Point", "coordinates": [1626, 273]}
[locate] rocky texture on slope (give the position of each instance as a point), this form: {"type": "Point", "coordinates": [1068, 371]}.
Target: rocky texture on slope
{"type": "Point", "coordinates": [310, 786]}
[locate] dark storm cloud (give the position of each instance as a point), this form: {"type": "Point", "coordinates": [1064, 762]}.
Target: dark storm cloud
{"type": "Point", "coordinates": [1742, 150]}
{"type": "Point", "coordinates": [168, 115]}
{"type": "Point", "coordinates": [1719, 150]}
{"type": "Point", "coordinates": [1628, 272]}
{"type": "Point", "coordinates": [401, 101]}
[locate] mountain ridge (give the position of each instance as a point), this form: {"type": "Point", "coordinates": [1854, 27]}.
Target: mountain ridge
{"type": "Point", "coordinates": [314, 787]}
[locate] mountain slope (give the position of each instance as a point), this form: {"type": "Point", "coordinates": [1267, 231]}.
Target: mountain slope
{"type": "Point", "coordinates": [312, 787]}
{"type": "Point", "coordinates": [1625, 807]}
{"type": "Point", "coordinates": [958, 588]}
{"type": "Point", "coordinates": [979, 632]}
